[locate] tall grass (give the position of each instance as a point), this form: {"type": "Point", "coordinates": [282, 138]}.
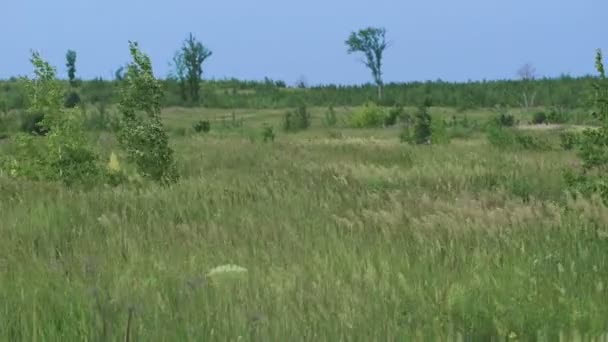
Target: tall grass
{"type": "Point", "coordinates": [356, 238]}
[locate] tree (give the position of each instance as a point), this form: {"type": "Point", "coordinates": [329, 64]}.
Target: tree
{"type": "Point", "coordinates": [70, 58]}
{"type": "Point", "coordinates": [179, 74]}
{"type": "Point", "coordinates": [141, 133]}
{"type": "Point", "coordinates": [188, 64]}
{"type": "Point", "coordinates": [527, 73]}
{"type": "Point", "coordinates": [592, 144]}
{"type": "Point", "coordinates": [73, 99]}
{"type": "Point", "coordinates": [372, 43]}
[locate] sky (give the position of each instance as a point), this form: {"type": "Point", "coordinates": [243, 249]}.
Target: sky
{"type": "Point", "coordinates": [452, 40]}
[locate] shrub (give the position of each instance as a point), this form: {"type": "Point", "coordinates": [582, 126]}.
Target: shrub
{"type": "Point", "coordinates": [505, 120]}
{"type": "Point", "coordinates": [64, 154]}
{"type": "Point", "coordinates": [558, 116]}
{"type": "Point", "coordinates": [540, 118]}
{"type": "Point", "coordinates": [420, 131]}
{"type": "Point", "coordinates": [330, 117]}
{"type": "Point", "coordinates": [297, 120]}
{"type": "Point", "coordinates": [422, 126]}
{"type": "Point", "coordinates": [202, 126]}
{"type": "Point", "coordinates": [72, 100]}
{"type": "Point", "coordinates": [31, 123]}
{"type": "Point", "coordinates": [268, 133]}
{"type": "Point", "coordinates": [369, 116]}
{"type": "Point", "coordinates": [141, 133]}
{"type": "Point", "coordinates": [393, 115]}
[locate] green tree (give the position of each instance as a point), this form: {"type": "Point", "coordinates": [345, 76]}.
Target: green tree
{"type": "Point", "coordinates": [70, 58]}
{"type": "Point", "coordinates": [63, 154]}
{"type": "Point", "coordinates": [73, 99]}
{"type": "Point", "coordinates": [188, 64]}
{"type": "Point", "coordinates": [593, 144]}
{"type": "Point", "coordinates": [372, 43]}
{"type": "Point", "coordinates": [141, 132]}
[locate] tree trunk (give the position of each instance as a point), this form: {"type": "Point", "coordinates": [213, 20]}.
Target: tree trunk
{"type": "Point", "coordinates": [379, 92]}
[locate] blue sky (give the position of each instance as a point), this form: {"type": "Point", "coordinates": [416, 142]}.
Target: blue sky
{"type": "Point", "coordinates": [454, 40]}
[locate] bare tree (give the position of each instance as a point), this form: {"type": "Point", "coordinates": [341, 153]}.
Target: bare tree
{"type": "Point", "coordinates": [527, 73]}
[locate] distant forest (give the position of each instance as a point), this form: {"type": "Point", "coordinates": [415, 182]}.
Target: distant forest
{"type": "Point", "coordinates": [565, 92]}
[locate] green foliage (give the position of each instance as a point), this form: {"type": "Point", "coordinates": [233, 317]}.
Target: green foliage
{"type": "Point", "coordinates": [31, 123]}
{"type": "Point", "coordinates": [331, 119]}
{"type": "Point", "coordinates": [141, 134]}
{"type": "Point", "coordinates": [70, 64]}
{"type": "Point", "coordinates": [268, 133]}
{"type": "Point", "coordinates": [188, 65]}
{"type": "Point", "coordinates": [505, 120]}
{"type": "Point", "coordinates": [569, 140]}
{"type": "Point", "coordinates": [64, 154]}
{"type": "Point", "coordinates": [558, 116]}
{"type": "Point", "coordinates": [202, 126]}
{"type": "Point", "coordinates": [394, 115]}
{"type": "Point", "coordinates": [593, 143]}
{"type": "Point", "coordinates": [72, 100]}
{"type": "Point", "coordinates": [369, 116]}
{"type": "Point", "coordinates": [508, 138]}
{"type": "Point", "coordinates": [439, 132]}
{"type": "Point", "coordinates": [100, 119]}
{"type": "Point", "coordinates": [297, 120]}
{"type": "Point", "coordinates": [540, 118]}
{"type": "Point", "coordinates": [420, 131]}
{"type": "Point", "coordinates": [372, 43]}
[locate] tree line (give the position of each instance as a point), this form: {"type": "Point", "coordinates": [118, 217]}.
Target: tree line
{"type": "Point", "coordinates": [185, 86]}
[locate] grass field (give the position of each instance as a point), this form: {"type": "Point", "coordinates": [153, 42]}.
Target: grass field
{"type": "Point", "coordinates": [345, 235]}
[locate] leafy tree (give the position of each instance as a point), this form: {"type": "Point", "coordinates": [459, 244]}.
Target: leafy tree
{"type": "Point", "coordinates": [73, 99]}
{"type": "Point", "coordinates": [188, 63]}
{"type": "Point", "coordinates": [372, 43]}
{"type": "Point", "coordinates": [64, 154]}
{"type": "Point", "coordinates": [141, 133]}
{"type": "Point", "coordinates": [70, 58]}
{"type": "Point", "coordinates": [593, 143]}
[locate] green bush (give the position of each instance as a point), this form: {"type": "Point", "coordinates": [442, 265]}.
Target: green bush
{"type": "Point", "coordinates": [31, 123]}
{"type": "Point", "coordinates": [420, 131]}
{"type": "Point", "coordinates": [540, 118]}
{"type": "Point", "coordinates": [394, 115]}
{"type": "Point", "coordinates": [72, 100]}
{"type": "Point", "coordinates": [369, 116]}
{"type": "Point", "coordinates": [558, 116]}
{"type": "Point", "coordinates": [505, 120]}
{"type": "Point", "coordinates": [297, 120]}
{"type": "Point", "coordinates": [63, 155]}
{"type": "Point", "coordinates": [268, 133]}
{"type": "Point", "coordinates": [202, 126]}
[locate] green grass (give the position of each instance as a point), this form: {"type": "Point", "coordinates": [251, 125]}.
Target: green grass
{"type": "Point", "coordinates": [349, 236]}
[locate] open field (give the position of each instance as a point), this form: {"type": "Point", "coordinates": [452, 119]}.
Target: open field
{"type": "Point", "coordinates": [345, 235]}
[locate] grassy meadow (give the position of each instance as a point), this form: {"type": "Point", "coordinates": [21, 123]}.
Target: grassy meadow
{"type": "Point", "coordinates": [345, 235]}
